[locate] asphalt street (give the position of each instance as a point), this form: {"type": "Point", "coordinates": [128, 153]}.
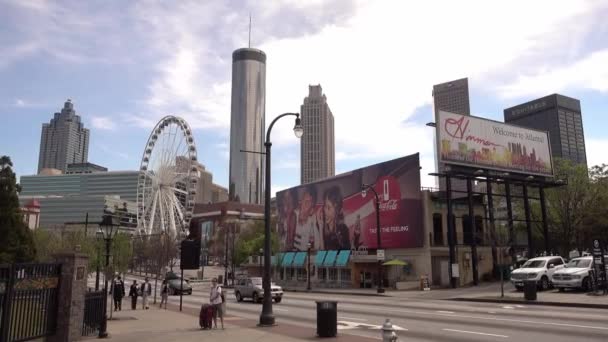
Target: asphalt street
{"type": "Point", "coordinates": [428, 320]}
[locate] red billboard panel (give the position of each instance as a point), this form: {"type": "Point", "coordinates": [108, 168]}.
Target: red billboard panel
{"type": "Point", "coordinates": [334, 214]}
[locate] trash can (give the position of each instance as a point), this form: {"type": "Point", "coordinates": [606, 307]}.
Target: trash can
{"type": "Point", "coordinates": [530, 288]}
{"type": "Point", "coordinates": [327, 318]}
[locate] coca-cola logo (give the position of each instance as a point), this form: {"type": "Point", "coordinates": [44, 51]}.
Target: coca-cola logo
{"type": "Point", "coordinates": [388, 205]}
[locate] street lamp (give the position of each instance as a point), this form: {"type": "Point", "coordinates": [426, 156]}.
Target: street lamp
{"type": "Point", "coordinates": [267, 317]}
{"type": "Point", "coordinates": [308, 270]}
{"type": "Point", "coordinates": [364, 189]}
{"type": "Point", "coordinates": [260, 254]}
{"type": "Point", "coordinates": [99, 236]}
{"type": "Point", "coordinates": [107, 229]}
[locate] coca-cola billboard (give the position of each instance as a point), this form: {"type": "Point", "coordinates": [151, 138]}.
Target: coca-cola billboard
{"type": "Point", "coordinates": [334, 214]}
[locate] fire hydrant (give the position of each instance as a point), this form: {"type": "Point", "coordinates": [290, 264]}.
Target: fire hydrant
{"type": "Point", "coordinates": [388, 332]}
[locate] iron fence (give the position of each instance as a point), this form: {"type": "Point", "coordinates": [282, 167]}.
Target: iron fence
{"type": "Point", "coordinates": [28, 301]}
{"type": "Point", "coordinates": [93, 312]}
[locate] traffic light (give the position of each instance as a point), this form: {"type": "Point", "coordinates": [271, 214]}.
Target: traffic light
{"type": "Point", "coordinates": [190, 255]}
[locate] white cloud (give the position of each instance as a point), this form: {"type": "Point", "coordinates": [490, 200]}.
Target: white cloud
{"type": "Point", "coordinates": [20, 103]}
{"type": "Point", "coordinates": [596, 151]}
{"type": "Point", "coordinates": [588, 73]}
{"type": "Point", "coordinates": [103, 122]}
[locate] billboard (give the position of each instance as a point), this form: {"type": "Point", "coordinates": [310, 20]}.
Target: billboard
{"type": "Point", "coordinates": [486, 144]}
{"type": "Point", "coordinates": [333, 214]}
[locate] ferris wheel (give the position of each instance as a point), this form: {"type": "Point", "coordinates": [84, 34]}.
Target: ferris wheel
{"type": "Point", "coordinates": [168, 179]}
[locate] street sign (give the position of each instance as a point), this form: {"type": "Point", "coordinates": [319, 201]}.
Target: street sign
{"type": "Point", "coordinates": [380, 254]}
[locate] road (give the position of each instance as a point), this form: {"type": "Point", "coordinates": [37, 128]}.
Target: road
{"type": "Point", "coordinates": [429, 320]}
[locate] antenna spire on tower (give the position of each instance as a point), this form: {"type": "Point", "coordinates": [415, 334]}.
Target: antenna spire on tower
{"type": "Point", "coordinates": [250, 29]}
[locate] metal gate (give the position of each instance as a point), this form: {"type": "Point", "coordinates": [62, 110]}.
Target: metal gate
{"type": "Point", "coordinates": [93, 312]}
{"type": "Point", "coordinates": [28, 301]}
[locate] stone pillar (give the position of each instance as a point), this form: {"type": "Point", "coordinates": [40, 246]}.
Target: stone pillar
{"type": "Point", "coordinates": [70, 305]}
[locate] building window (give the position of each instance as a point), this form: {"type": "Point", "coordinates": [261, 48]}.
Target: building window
{"type": "Point", "coordinates": [437, 229]}
{"type": "Point", "coordinates": [467, 230]}
{"type": "Point", "coordinates": [479, 229]}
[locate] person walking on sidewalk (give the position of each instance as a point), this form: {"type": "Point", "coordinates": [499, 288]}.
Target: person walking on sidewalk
{"type": "Point", "coordinates": [133, 293]}
{"type": "Point", "coordinates": [215, 298]}
{"type": "Point", "coordinates": [118, 293]}
{"type": "Point", "coordinates": [146, 290]}
{"type": "Point", "coordinates": [164, 294]}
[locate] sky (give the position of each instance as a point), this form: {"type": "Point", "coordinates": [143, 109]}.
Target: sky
{"type": "Point", "coordinates": [126, 64]}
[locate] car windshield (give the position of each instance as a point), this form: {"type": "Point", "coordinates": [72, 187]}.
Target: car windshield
{"type": "Point", "coordinates": [534, 264]}
{"type": "Point", "coordinates": [256, 281]}
{"type": "Point", "coordinates": [579, 263]}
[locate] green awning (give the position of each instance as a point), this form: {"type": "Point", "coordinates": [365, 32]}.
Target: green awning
{"type": "Point", "coordinates": [298, 260]}
{"type": "Point", "coordinates": [330, 258]}
{"type": "Point", "coordinates": [276, 259]}
{"type": "Point", "coordinates": [342, 259]}
{"type": "Point", "coordinates": [319, 258]}
{"type": "Point", "coordinates": [288, 259]}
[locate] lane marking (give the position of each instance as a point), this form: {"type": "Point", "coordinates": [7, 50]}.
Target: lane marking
{"type": "Point", "coordinates": [353, 319]}
{"type": "Point", "coordinates": [491, 312]}
{"type": "Point", "coordinates": [475, 333]}
{"type": "Point", "coordinates": [279, 309]}
{"type": "Point", "coordinates": [445, 312]}
{"type": "Point", "coordinates": [508, 307]}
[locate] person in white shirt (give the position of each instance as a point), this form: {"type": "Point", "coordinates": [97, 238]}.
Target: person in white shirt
{"type": "Point", "coordinates": [215, 298]}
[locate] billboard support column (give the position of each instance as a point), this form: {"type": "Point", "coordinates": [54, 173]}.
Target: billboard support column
{"type": "Point", "coordinates": [528, 223]}
{"type": "Point", "coordinates": [473, 231]}
{"type": "Point", "coordinates": [491, 224]}
{"type": "Point", "coordinates": [451, 228]}
{"type": "Point", "coordinates": [543, 213]}
{"type": "Point", "coordinates": [510, 223]}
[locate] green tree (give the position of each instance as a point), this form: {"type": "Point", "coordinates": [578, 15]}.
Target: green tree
{"type": "Point", "coordinates": [16, 240]}
{"type": "Point", "coordinates": [251, 241]}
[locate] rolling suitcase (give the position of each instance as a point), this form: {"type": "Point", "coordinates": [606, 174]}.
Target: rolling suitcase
{"type": "Point", "coordinates": [205, 318]}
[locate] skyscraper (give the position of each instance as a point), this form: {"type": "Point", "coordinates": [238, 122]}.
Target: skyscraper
{"type": "Point", "coordinates": [451, 97]}
{"type": "Point", "coordinates": [64, 140]}
{"type": "Point", "coordinates": [317, 147]}
{"type": "Point", "coordinates": [247, 125]}
{"type": "Point", "coordinates": [561, 117]}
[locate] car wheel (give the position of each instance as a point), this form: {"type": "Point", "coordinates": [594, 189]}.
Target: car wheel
{"type": "Point", "coordinates": [239, 298]}
{"type": "Point", "coordinates": [586, 285]}
{"type": "Point", "coordinates": [519, 288]}
{"type": "Point", "coordinates": [277, 299]}
{"type": "Point", "coordinates": [544, 283]}
{"type": "Point", "coordinates": [172, 292]}
{"type": "Point", "coordinates": [561, 289]}
{"type": "Point", "coordinates": [255, 297]}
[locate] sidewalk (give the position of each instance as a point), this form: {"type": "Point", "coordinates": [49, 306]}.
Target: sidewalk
{"type": "Point", "coordinates": [156, 325]}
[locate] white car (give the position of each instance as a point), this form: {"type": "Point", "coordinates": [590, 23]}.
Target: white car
{"type": "Point", "coordinates": [575, 275]}
{"type": "Point", "coordinates": [539, 269]}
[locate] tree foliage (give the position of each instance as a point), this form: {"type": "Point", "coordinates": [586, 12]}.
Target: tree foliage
{"type": "Point", "coordinates": [251, 241]}
{"type": "Point", "coordinates": [16, 241]}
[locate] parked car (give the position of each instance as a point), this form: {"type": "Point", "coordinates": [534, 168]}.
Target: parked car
{"type": "Point", "coordinates": [575, 275]}
{"type": "Point", "coordinates": [539, 269]}
{"type": "Point", "coordinates": [251, 287]}
{"type": "Point", "coordinates": [174, 283]}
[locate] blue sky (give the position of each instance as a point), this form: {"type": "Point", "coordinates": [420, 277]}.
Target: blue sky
{"type": "Point", "coordinates": [126, 64]}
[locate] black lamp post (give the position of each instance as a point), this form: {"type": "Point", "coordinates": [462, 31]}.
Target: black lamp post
{"type": "Point", "coordinates": [267, 317]}
{"type": "Point", "coordinates": [364, 189]}
{"type": "Point", "coordinates": [308, 270]}
{"type": "Point", "coordinates": [107, 229]}
{"type": "Point", "coordinates": [99, 236]}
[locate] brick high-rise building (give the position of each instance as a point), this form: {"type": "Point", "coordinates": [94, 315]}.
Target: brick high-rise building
{"type": "Point", "coordinates": [317, 147]}
{"type": "Point", "coordinates": [559, 115]}
{"type": "Point", "coordinates": [63, 141]}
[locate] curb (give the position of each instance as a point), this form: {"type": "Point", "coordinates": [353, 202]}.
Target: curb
{"type": "Point", "coordinates": [338, 293]}
{"type": "Point", "coordinates": [531, 302]}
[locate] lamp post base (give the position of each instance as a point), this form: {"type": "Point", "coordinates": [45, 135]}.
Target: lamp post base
{"type": "Point", "coordinates": [266, 320]}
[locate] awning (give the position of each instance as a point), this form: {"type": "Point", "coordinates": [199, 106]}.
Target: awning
{"type": "Point", "coordinates": [276, 259]}
{"type": "Point", "coordinates": [319, 258]}
{"type": "Point", "coordinates": [395, 262]}
{"type": "Point", "coordinates": [342, 259]}
{"type": "Point", "coordinates": [288, 259]}
{"type": "Point", "coordinates": [330, 258]}
{"type": "Point", "coordinates": [298, 260]}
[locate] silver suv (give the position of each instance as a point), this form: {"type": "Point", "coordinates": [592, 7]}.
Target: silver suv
{"type": "Point", "coordinates": [577, 274]}
{"type": "Point", "coordinates": [252, 288]}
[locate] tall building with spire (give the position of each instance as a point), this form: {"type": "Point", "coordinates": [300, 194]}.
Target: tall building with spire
{"type": "Point", "coordinates": [247, 126]}
{"type": "Point", "coordinates": [63, 141]}
{"type": "Point", "coordinates": [317, 147]}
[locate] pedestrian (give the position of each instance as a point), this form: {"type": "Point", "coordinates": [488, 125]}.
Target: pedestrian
{"type": "Point", "coordinates": [215, 298]}
{"type": "Point", "coordinates": [164, 294]}
{"type": "Point", "coordinates": [133, 293]}
{"type": "Point", "coordinates": [118, 293]}
{"type": "Point", "coordinates": [146, 290]}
